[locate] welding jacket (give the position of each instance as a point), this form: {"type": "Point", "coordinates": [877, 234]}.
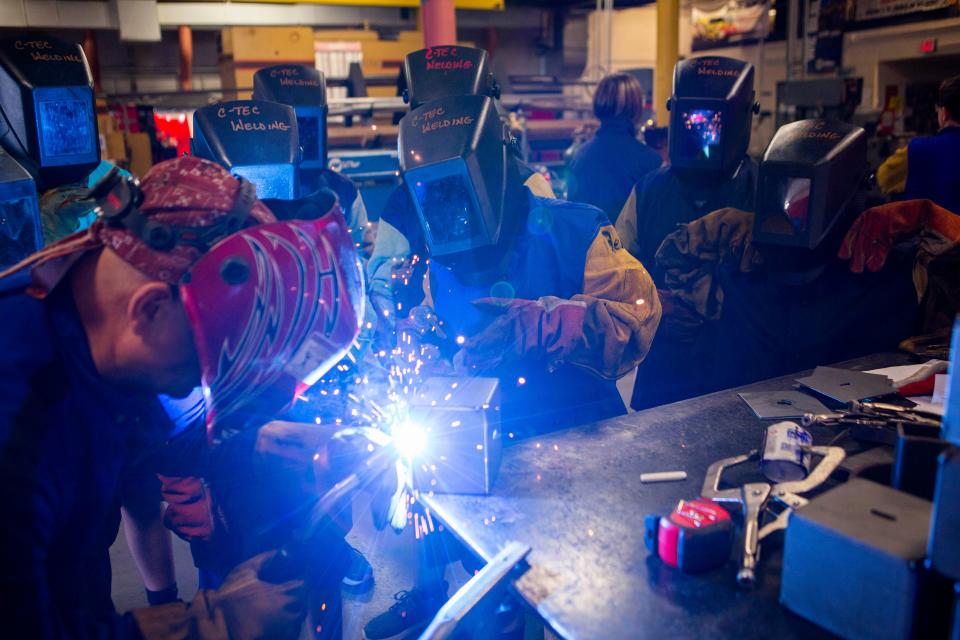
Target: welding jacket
{"type": "Point", "coordinates": [663, 199]}
{"type": "Point", "coordinates": [69, 443]}
{"type": "Point", "coordinates": [399, 236]}
{"type": "Point", "coordinates": [571, 252]}
{"type": "Point", "coordinates": [758, 323]}
{"type": "Point", "coordinates": [925, 169]}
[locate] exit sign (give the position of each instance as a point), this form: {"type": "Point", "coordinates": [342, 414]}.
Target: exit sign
{"type": "Point", "coordinates": [928, 45]}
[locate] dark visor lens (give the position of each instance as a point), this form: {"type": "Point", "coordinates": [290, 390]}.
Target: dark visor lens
{"type": "Point", "coordinates": [65, 125]}
{"type": "Point", "coordinates": [448, 209]}
{"type": "Point", "coordinates": [309, 129]}
{"type": "Point", "coordinates": [701, 133]}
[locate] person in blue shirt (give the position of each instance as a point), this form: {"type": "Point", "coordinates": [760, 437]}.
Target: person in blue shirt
{"type": "Point", "coordinates": [604, 170]}
{"type": "Point", "coordinates": [926, 168]}
{"type": "Point", "coordinates": [113, 317]}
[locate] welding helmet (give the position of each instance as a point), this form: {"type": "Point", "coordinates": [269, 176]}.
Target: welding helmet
{"type": "Point", "coordinates": [710, 114]}
{"type": "Point", "coordinates": [294, 291]}
{"type": "Point", "coordinates": [305, 89]}
{"type": "Point", "coordinates": [20, 231]}
{"type": "Point", "coordinates": [252, 139]}
{"type": "Point", "coordinates": [47, 117]}
{"type": "Point", "coordinates": [454, 160]}
{"type": "Point", "coordinates": [271, 305]}
{"type": "Point", "coordinates": [438, 72]}
{"type": "Point", "coordinates": [810, 173]}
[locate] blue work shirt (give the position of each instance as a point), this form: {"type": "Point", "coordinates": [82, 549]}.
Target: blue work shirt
{"type": "Point", "coordinates": [932, 169]}
{"type": "Point", "coordinates": [70, 446]}
{"type": "Point", "coordinates": [605, 169]}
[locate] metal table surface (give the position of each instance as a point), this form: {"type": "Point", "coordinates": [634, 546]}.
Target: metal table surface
{"type": "Point", "coordinates": [576, 498]}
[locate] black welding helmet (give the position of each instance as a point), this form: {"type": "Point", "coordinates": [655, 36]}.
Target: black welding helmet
{"type": "Point", "coordinates": [48, 119]}
{"type": "Point", "coordinates": [252, 139]}
{"type": "Point", "coordinates": [454, 160]}
{"type": "Point", "coordinates": [438, 72]}
{"type": "Point", "coordinates": [20, 232]}
{"type": "Point", "coordinates": [810, 173]}
{"type": "Point", "coordinates": [710, 114]}
{"type": "Point", "coordinates": [305, 89]}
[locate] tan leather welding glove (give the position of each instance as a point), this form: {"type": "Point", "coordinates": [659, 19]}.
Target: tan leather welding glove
{"type": "Point", "coordinates": [245, 607]}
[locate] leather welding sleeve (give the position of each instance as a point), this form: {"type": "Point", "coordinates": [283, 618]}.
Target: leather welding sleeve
{"type": "Point", "coordinates": [627, 224]}
{"type": "Point", "coordinates": [245, 607]}
{"type": "Point", "coordinates": [622, 309]}
{"type": "Point", "coordinates": [892, 174]}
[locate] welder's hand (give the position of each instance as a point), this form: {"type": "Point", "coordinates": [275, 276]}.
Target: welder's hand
{"type": "Point", "coordinates": [872, 235]}
{"type": "Point", "coordinates": [244, 607]}
{"type": "Point", "coordinates": [294, 453]}
{"type": "Point", "coordinates": [546, 329]}
{"type": "Point", "coordinates": [725, 234]}
{"type": "Point", "coordinates": [189, 512]}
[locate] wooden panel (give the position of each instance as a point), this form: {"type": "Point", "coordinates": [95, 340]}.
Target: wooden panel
{"type": "Point", "coordinates": [279, 44]}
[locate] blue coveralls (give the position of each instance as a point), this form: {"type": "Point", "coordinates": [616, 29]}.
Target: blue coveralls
{"type": "Point", "coordinates": [932, 169]}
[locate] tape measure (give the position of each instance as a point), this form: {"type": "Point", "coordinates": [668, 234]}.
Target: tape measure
{"type": "Point", "coordinates": [695, 537]}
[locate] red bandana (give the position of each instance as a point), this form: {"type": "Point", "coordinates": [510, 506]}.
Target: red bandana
{"type": "Point", "coordinates": [187, 191]}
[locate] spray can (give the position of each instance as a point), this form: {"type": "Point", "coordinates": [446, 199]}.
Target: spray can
{"type": "Point", "coordinates": [785, 455]}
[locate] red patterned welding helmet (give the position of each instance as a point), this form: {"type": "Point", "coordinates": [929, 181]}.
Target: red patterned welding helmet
{"type": "Point", "coordinates": [272, 307]}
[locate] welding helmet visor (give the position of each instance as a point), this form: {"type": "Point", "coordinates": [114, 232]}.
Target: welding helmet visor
{"type": "Point", "coordinates": [20, 227]}
{"type": "Point", "coordinates": [48, 118]}
{"type": "Point", "coordinates": [305, 89]}
{"type": "Point", "coordinates": [272, 308]}
{"type": "Point", "coordinates": [251, 139]}
{"type": "Point", "coordinates": [453, 157]}
{"type": "Point", "coordinates": [710, 114]}
{"type": "Point", "coordinates": [809, 175]}
{"type": "Point", "coordinates": [438, 72]}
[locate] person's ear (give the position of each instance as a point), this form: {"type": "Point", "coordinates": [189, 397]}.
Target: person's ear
{"type": "Point", "coordinates": [148, 304]}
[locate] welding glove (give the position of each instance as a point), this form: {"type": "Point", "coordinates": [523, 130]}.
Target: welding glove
{"type": "Point", "coordinates": [691, 256]}
{"type": "Point", "coordinates": [244, 607]}
{"type": "Point", "coordinates": [872, 235]}
{"type": "Point", "coordinates": [547, 329]}
{"type": "Point", "coordinates": [189, 512]}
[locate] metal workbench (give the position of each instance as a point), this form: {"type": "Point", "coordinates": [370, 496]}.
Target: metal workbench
{"type": "Point", "coordinates": [576, 498]}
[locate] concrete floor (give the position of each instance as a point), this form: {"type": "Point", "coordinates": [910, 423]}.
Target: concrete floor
{"type": "Point", "coordinates": [393, 558]}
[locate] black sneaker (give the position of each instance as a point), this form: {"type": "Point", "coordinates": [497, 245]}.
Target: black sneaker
{"type": "Point", "coordinates": [412, 611]}
{"type": "Point", "coordinates": [359, 575]}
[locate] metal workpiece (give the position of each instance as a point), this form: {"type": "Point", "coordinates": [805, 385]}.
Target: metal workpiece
{"type": "Point", "coordinates": [575, 497]}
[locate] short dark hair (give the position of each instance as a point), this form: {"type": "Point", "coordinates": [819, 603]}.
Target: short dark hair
{"type": "Point", "coordinates": [619, 95]}
{"type": "Point", "coordinates": [949, 96]}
